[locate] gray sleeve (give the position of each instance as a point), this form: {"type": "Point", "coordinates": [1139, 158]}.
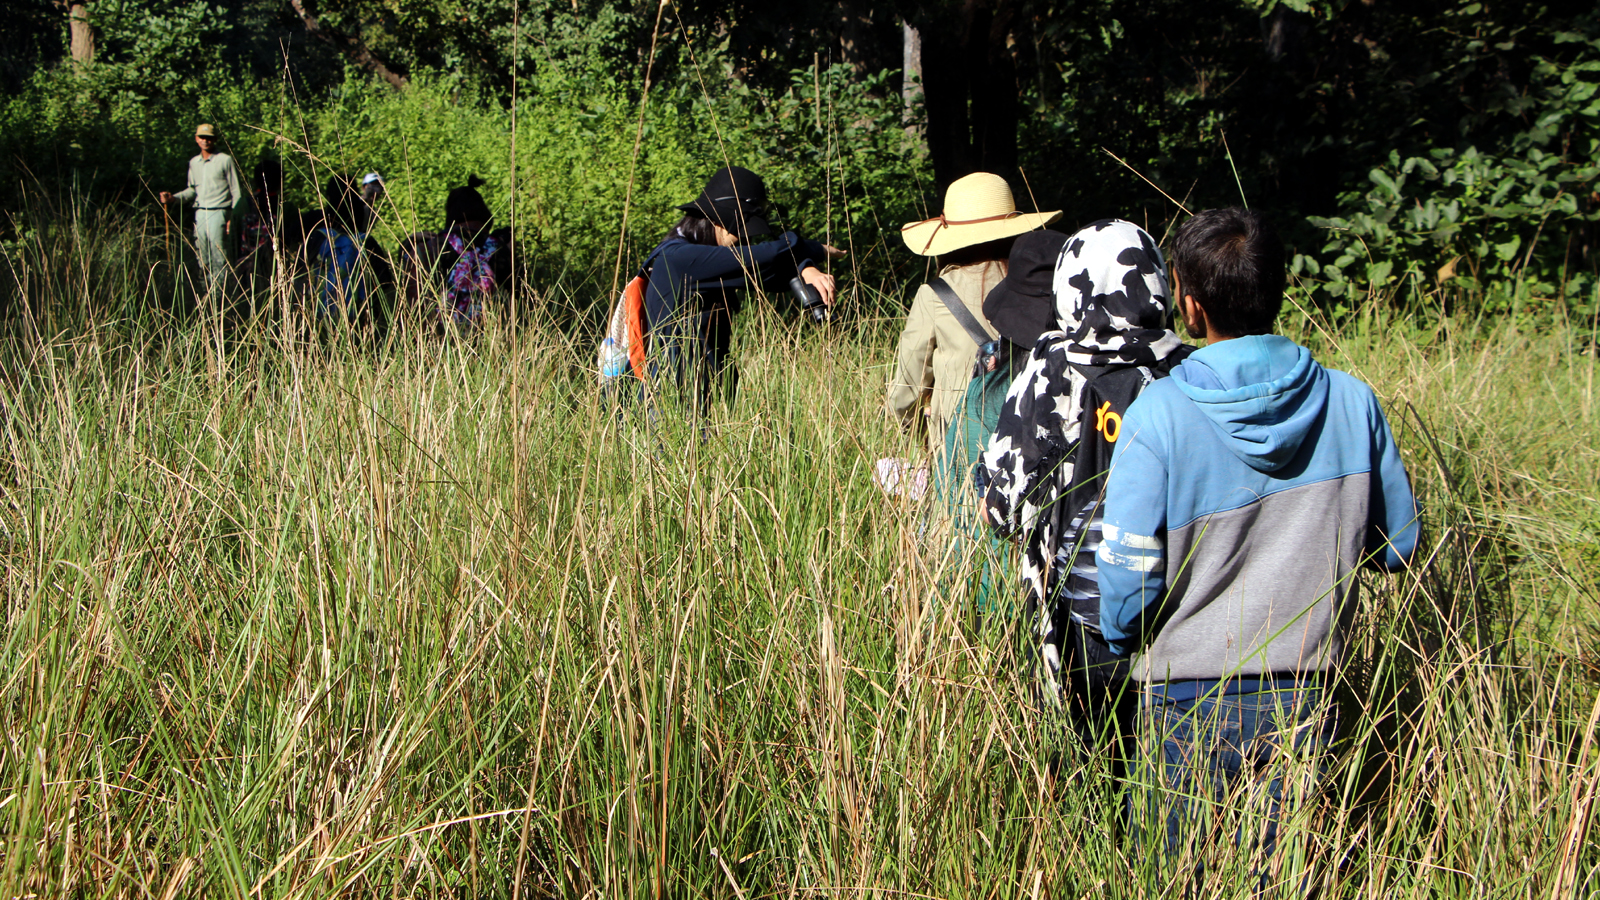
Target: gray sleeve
{"type": "Point", "coordinates": [235, 192]}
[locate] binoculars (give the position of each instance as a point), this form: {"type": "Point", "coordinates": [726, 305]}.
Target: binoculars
{"type": "Point", "coordinates": [810, 300]}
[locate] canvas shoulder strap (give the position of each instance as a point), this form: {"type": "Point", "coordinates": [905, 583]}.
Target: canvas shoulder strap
{"type": "Point", "coordinates": [952, 302]}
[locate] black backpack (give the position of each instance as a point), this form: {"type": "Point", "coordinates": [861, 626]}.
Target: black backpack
{"type": "Point", "coordinates": [1110, 391]}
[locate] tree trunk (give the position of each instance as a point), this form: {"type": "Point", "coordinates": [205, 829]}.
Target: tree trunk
{"type": "Point", "coordinates": [82, 32]}
{"type": "Point", "coordinates": [911, 79]}
{"type": "Point", "coordinates": [350, 45]}
{"type": "Point", "coordinates": [855, 37]}
{"type": "Point", "coordinates": [969, 84]}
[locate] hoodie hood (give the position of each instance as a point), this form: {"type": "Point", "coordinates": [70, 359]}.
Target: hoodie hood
{"type": "Point", "coordinates": [1264, 393]}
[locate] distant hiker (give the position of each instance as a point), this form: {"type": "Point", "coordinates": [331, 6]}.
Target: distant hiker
{"type": "Point", "coordinates": [1245, 492]}
{"type": "Point", "coordinates": [698, 274]}
{"type": "Point", "coordinates": [261, 224]}
{"type": "Point", "coordinates": [945, 326]}
{"type": "Point", "coordinates": [474, 258]}
{"type": "Point", "coordinates": [352, 265]}
{"type": "Point", "coordinates": [213, 188]}
{"type": "Point", "coordinates": [418, 256]}
{"type": "Point", "coordinates": [1109, 336]}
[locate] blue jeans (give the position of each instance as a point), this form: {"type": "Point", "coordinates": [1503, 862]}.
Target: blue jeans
{"type": "Point", "coordinates": [1237, 763]}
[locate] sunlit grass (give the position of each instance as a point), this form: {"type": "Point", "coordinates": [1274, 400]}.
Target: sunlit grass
{"type": "Point", "coordinates": [290, 614]}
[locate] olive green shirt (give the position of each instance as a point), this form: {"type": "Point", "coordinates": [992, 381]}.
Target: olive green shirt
{"type": "Point", "coordinates": [213, 183]}
{"type": "Point", "coordinates": [934, 360]}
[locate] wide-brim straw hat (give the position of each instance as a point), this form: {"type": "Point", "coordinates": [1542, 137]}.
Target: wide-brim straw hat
{"type": "Point", "coordinates": [977, 209]}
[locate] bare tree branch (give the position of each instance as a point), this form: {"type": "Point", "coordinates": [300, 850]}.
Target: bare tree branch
{"type": "Point", "coordinates": [350, 45]}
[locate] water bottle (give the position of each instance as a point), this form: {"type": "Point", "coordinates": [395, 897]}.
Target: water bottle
{"type": "Point", "coordinates": [613, 360]}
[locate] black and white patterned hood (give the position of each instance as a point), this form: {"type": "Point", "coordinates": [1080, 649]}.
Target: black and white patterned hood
{"type": "Point", "coordinates": [1111, 296]}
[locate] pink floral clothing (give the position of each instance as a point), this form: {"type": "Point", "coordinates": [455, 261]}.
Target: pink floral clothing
{"type": "Point", "coordinates": [470, 280]}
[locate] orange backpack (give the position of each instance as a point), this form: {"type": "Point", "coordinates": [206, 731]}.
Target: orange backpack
{"type": "Point", "coordinates": [622, 350]}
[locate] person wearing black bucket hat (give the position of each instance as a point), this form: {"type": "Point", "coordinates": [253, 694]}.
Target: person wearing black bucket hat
{"type": "Point", "coordinates": [734, 199]}
{"type": "Point", "coordinates": [1020, 308]}
{"type": "Point", "coordinates": [1109, 337]}
{"type": "Point", "coordinates": [700, 269]}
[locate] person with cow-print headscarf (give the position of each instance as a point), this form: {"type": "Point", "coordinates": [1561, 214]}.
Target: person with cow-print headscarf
{"type": "Point", "coordinates": [1113, 318]}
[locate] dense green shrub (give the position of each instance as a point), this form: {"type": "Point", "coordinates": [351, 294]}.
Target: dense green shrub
{"type": "Point", "coordinates": [587, 163]}
{"type": "Point", "coordinates": [1496, 225]}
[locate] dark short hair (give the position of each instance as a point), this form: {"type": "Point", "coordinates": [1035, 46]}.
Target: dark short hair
{"type": "Point", "coordinates": [465, 204]}
{"type": "Point", "coordinates": [1231, 261]}
{"type": "Point", "coordinates": [988, 251]}
{"type": "Point", "coordinates": [269, 175]}
{"type": "Point", "coordinates": [342, 209]}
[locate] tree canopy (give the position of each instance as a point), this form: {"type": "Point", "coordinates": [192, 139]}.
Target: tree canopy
{"type": "Point", "coordinates": [1435, 131]}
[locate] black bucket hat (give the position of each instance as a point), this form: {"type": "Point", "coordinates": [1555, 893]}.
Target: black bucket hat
{"type": "Point", "coordinates": [1022, 307]}
{"type": "Point", "coordinates": [736, 199]}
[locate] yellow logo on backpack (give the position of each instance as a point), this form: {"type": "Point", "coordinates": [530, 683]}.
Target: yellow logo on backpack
{"type": "Point", "coordinates": [1107, 422]}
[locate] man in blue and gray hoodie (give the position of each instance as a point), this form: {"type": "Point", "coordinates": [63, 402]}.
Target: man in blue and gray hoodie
{"type": "Point", "coordinates": [1246, 491]}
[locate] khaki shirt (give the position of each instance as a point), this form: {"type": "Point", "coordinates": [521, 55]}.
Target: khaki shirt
{"type": "Point", "coordinates": [213, 183]}
{"type": "Point", "coordinates": [934, 361]}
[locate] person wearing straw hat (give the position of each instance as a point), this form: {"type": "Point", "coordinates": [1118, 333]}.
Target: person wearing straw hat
{"type": "Point", "coordinates": [971, 239]}
{"type": "Point", "coordinates": [214, 190]}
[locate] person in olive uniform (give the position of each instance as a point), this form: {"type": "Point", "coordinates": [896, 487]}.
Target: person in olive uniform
{"type": "Point", "coordinates": [213, 189]}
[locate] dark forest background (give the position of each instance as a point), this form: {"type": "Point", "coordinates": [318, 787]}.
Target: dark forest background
{"type": "Point", "coordinates": [1426, 154]}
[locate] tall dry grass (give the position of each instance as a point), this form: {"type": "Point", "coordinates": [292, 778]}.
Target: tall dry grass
{"type": "Point", "coordinates": [294, 614]}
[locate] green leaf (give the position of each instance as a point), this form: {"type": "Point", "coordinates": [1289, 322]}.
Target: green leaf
{"type": "Point", "coordinates": [1382, 179]}
{"type": "Point", "coordinates": [1508, 250]}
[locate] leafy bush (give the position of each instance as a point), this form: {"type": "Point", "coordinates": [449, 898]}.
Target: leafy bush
{"type": "Point", "coordinates": [1490, 226]}
{"type": "Point", "coordinates": [587, 165]}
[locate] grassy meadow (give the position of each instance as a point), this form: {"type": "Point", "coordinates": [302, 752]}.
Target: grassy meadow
{"type": "Point", "coordinates": [289, 615]}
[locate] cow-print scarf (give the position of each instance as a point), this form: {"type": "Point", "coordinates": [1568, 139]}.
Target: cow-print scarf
{"type": "Point", "coordinates": [1113, 309]}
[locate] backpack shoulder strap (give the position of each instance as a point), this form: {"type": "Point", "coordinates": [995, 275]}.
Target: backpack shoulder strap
{"type": "Point", "coordinates": [952, 302]}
